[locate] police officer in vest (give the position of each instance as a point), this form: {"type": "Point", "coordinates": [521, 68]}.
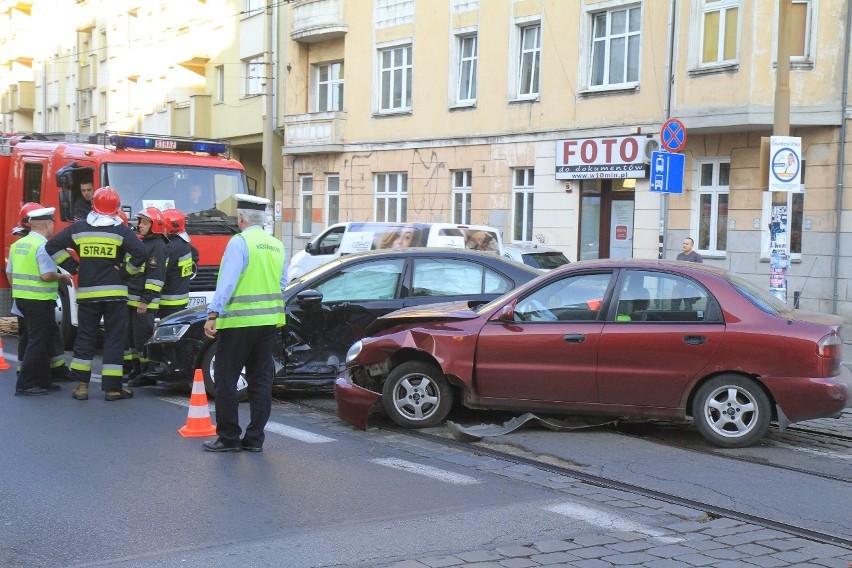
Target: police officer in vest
{"type": "Point", "coordinates": [35, 283]}
{"type": "Point", "coordinates": [246, 312]}
{"type": "Point", "coordinates": [101, 241]}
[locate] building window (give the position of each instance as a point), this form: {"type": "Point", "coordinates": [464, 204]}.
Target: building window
{"type": "Point", "coordinates": [523, 193]}
{"type": "Point", "coordinates": [719, 24]}
{"type": "Point", "coordinates": [84, 104]}
{"type": "Point", "coordinates": [220, 83]}
{"type": "Point", "coordinates": [391, 201]}
{"type": "Point", "coordinates": [801, 31]}
{"type": "Point", "coordinates": [529, 61]}
{"type": "Point", "coordinates": [461, 197]}
{"type": "Point", "coordinates": [329, 90]}
{"type": "Point", "coordinates": [332, 199]}
{"type": "Point", "coordinates": [395, 69]}
{"type": "Point", "coordinates": [615, 47]}
{"type": "Point", "coordinates": [467, 68]}
{"type": "Point", "coordinates": [254, 76]}
{"type": "Point", "coordinates": [713, 206]}
{"type": "Point", "coordinates": [103, 115]}
{"type": "Point", "coordinates": [306, 201]}
{"type": "Point", "coordinates": [252, 7]}
{"type": "Point", "coordinates": [102, 45]}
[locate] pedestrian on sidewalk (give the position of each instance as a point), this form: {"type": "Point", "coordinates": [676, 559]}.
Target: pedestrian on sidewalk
{"type": "Point", "coordinates": [688, 254]}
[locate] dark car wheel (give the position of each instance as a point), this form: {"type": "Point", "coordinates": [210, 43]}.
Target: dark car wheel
{"type": "Point", "coordinates": [208, 362]}
{"type": "Point", "coordinates": [69, 330]}
{"type": "Point", "coordinates": [731, 411]}
{"type": "Point", "coordinates": [416, 395]}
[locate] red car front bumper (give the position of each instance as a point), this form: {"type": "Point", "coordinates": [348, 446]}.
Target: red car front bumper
{"type": "Point", "coordinates": [354, 403]}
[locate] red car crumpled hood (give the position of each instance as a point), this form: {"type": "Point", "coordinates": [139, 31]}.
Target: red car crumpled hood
{"type": "Point", "coordinates": [414, 314]}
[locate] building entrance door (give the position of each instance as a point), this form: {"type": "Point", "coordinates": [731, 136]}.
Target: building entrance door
{"type": "Point", "coordinates": [606, 220]}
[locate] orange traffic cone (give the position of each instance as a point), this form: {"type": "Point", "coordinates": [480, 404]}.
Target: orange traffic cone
{"type": "Point", "coordinates": [198, 421]}
{"type": "Point", "coordinates": [3, 364]}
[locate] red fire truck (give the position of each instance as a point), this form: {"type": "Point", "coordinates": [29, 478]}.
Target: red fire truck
{"type": "Point", "coordinates": [195, 176]}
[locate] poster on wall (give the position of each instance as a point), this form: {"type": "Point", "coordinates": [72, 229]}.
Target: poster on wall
{"type": "Point", "coordinates": [779, 252]}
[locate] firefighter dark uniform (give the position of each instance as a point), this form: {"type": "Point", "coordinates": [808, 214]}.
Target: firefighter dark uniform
{"type": "Point", "coordinates": [246, 312]}
{"type": "Point", "coordinates": [183, 257]}
{"type": "Point", "coordinates": [34, 287]}
{"type": "Point", "coordinates": [143, 289]}
{"type": "Point", "coordinates": [100, 241]}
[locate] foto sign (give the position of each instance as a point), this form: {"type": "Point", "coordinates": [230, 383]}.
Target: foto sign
{"type": "Point", "coordinates": [607, 157]}
{"type": "Point", "coordinates": [785, 163]}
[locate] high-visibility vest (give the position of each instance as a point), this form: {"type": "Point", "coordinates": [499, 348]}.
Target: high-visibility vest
{"type": "Point", "coordinates": [26, 275]}
{"type": "Point", "coordinates": [257, 298]}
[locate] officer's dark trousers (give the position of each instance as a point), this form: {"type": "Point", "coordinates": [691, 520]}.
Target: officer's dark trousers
{"type": "Point", "coordinates": [141, 329]}
{"type": "Point", "coordinates": [249, 347]}
{"type": "Point", "coordinates": [56, 351]}
{"type": "Point", "coordinates": [39, 316]}
{"type": "Point", "coordinates": [89, 316]}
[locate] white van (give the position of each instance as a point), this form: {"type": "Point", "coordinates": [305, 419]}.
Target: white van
{"type": "Point", "coordinates": [347, 238]}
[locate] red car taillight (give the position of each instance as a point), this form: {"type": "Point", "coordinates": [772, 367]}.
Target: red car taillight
{"type": "Point", "coordinates": [830, 346]}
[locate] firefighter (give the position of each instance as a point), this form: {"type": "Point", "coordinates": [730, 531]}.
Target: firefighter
{"type": "Point", "coordinates": [182, 259]}
{"type": "Point", "coordinates": [34, 287]}
{"type": "Point", "coordinates": [83, 203]}
{"type": "Point", "coordinates": [246, 312]}
{"type": "Point", "coordinates": [144, 289]}
{"type": "Point", "coordinates": [58, 368]}
{"type": "Point", "coordinates": [100, 240]}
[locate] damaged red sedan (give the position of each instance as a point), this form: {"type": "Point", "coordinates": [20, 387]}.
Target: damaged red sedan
{"type": "Point", "coordinates": [624, 338]}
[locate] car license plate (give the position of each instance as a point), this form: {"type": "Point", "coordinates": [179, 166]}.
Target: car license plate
{"type": "Point", "coordinates": [196, 301]}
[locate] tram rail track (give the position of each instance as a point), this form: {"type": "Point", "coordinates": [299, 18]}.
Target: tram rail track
{"type": "Point", "coordinates": [606, 482]}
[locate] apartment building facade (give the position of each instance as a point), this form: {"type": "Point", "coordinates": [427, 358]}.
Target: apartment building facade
{"type": "Point", "coordinates": [462, 111]}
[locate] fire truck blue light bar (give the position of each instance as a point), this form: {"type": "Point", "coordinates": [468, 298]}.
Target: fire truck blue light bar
{"type": "Point", "coordinates": [128, 141]}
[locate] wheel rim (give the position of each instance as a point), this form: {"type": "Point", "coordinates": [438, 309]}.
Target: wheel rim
{"type": "Point", "coordinates": [731, 411]}
{"type": "Point", "coordinates": [241, 382]}
{"type": "Point", "coordinates": [416, 397]}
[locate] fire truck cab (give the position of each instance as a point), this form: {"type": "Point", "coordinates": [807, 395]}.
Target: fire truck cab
{"type": "Point", "coordinates": [195, 176]}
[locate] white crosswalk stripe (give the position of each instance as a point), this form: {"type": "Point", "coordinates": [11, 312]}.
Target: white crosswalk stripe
{"type": "Point", "coordinates": [428, 471]}
{"type": "Point", "coordinates": [607, 521]}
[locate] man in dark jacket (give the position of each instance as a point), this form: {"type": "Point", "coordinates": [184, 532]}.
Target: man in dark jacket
{"type": "Point", "coordinates": [101, 241]}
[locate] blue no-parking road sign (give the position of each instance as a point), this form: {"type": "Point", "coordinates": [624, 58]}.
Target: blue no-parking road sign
{"type": "Point", "coordinates": [667, 172]}
{"type": "Point", "coordinates": [673, 135]}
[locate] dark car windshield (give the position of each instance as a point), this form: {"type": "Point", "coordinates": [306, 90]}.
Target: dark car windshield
{"type": "Point", "coordinates": [546, 260]}
{"type": "Point", "coordinates": [760, 297]}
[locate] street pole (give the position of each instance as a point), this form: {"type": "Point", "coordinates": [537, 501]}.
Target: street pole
{"type": "Point", "coordinates": [268, 159]}
{"type": "Point", "coordinates": [779, 243]}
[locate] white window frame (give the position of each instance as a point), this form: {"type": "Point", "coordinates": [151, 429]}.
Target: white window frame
{"type": "Point", "coordinates": [721, 6]}
{"type": "Point", "coordinates": [521, 29]}
{"type": "Point", "coordinates": [332, 195]}
{"type": "Point", "coordinates": [523, 204]}
{"type": "Point", "coordinates": [714, 190]}
{"type": "Point", "coordinates": [461, 192]}
{"type": "Point", "coordinates": [605, 43]}
{"type": "Point", "coordinates": [383, 197]}
{"type": "Point", "coordinates": [333, 84]}
{"type": "Point", "coordinates": [807, 59]}
{"type": "Point", "coordinates": [406, 69]}
{"type": "Point", "coordinates": [465, 67]}
{"type": "Point", "coordinates": [306, 204]}
{"type": "Point", "coordinates": [220, 84]}
{"type": "Point", "coordinates": [253, 7]}
{"type": "Point", "coordinates": [253, 73]}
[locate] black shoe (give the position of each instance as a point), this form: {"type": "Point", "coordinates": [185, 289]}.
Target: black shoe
{"type": "Point", "coordinates": [249, 447]}
{"type": "Point", "coordinates": [32, 391]}
{"type": "Point", "coordinates": [118, 395]}
{"type": "Point", "coordinates": [218, 446]}
{"type": "Point", "coordinates": [141, 381]}
{"type": "Point", "coordinates": [64, 376]}
{"type": "Point", "coordinates": [53, 387]}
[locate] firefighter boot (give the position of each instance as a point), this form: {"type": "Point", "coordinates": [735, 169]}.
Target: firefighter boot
{"type": "Point", "coordinates": [81, 392]}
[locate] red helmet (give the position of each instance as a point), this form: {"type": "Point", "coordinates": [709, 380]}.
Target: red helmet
{"type": "Point", "coordinates": [26, 209]}
{"type": "Point", "coordinates": [175, 221]}
{"type": "Point", "coordinates": [158, 226]}
{"type": "Point", "coordinates": [123, 216]}
{"type": "Point", "coordinates": [106, 201]}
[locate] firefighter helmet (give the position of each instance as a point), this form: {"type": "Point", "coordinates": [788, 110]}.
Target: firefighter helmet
{"type": "Point", "coordinates": [106, 201]}
{"type": "Point", "coordinates": [26, 209]}
{"type": "Point", "coordinates": [123, 216]}
{"type": "Point", "coordinates": [175, 221]}
{"type": "Point", "coordinates": [158, 226]}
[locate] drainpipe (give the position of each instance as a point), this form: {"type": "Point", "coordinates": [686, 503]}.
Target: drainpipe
{"type": "Point", "coordinates": [841, 147]}
{"type": "Point", "coordinates": [664, 204]}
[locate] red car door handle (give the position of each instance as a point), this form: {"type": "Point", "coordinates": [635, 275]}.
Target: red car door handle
{"type": "Point", "coordinates": [574, 338]}
{"type": "Point", "coordinates": [695, 339]}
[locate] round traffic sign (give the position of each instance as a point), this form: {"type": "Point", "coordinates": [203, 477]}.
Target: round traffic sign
{"type": "Point", "coordinates": [673, 135]}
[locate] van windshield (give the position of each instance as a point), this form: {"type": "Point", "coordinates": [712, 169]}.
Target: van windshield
{"type": "Point", "coordinates": [204, 195]}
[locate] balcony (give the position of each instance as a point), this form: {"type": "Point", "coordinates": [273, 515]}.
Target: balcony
{"type": "Point", "coordinates": [314, 133]}
{"type": "Point", "coordinates": [317, 20]}
{"type": "Point", "coordinates": [20, 97]}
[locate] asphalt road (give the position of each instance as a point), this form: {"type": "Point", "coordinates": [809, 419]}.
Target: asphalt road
{"type": "Point", "coordinates": [96, 483]}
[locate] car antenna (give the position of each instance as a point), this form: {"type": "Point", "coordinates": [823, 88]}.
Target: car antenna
{"type": "Point", "coordinates": [806, 280]}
